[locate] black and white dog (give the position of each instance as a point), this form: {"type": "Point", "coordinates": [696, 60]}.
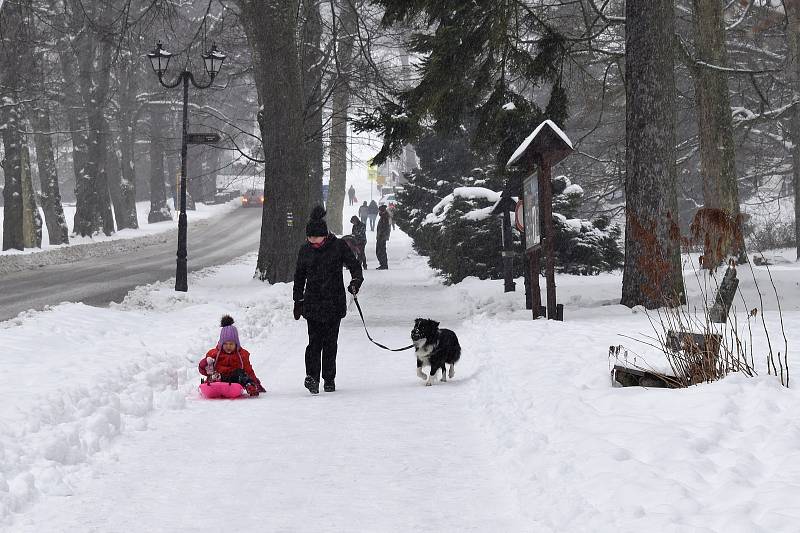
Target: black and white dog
{"type": "Point", "coordinates": [434, 348]}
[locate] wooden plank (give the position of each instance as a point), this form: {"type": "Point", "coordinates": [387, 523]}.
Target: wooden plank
{"type": "Point", "coordinates": [634, 377]}
{"type": "Point", "coordinates": [724, 297]}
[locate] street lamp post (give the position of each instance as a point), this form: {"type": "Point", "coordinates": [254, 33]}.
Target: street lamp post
{"type": "Point", "coordinates": [212, 60]}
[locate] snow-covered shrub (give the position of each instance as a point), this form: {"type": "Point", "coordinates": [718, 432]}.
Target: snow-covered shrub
{"type": "Point", "coordinates": [445, 208]}
{"type": "Point", "coordinates": [567, 198]}
{"type": "Point", "coordinates": [451, 224]}
{"type": "Point", "coordinates": [584, 247]}
{"type": "Point", "coordinates": [769, 237]}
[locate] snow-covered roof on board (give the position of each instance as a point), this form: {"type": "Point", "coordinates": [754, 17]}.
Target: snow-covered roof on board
{"type": "Point", "coordinates": [524, 146]}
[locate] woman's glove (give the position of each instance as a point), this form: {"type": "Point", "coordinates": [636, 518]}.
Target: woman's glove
{"type": "Point", "coordinates": [353, 288]}
{"type": "Point", "coordinates": [298, 309]}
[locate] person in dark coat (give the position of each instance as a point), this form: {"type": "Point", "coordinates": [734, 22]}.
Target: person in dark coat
{"type": "Point", "coordinates": [372, 214]}
{"type": "Point", "coordinates": [363, 213]}
{"type": "Point", "coordinates": [319, 297]}
{"type": "Point", "coordinates": [359, 233]}
{"type": "Point", "coordinates": [384, 229]}
{"type": "Point", "coordinates": [351, 194]}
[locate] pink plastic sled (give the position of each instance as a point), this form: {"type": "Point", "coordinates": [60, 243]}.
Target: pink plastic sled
{"type": "Point", "coordinates": [220, 389]}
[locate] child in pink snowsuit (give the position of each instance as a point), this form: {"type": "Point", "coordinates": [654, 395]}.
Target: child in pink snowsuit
{"type": "Point", "coordinates": [229, 362]}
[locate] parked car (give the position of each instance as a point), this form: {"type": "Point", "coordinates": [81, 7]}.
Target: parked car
{"type": "Point", "coordinates": [253, 198]}
{"type": "Point", "coordinates": [388, 200]}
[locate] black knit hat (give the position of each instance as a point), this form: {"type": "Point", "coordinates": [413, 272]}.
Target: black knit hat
{"type": "Point", "coordinates": [317, 227]}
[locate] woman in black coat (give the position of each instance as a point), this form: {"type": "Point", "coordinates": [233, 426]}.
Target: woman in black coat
{"type": "Point", "coordinates": [319, 297]}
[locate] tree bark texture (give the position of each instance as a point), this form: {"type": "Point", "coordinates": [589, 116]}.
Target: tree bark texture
{"type": "Point", "coordinates": [159, 210]}
{"type": "Point", "coordinates": [57, 230]}
{"type": "Point", "coordinates": [652, 273]}
{"type": "Point", "coordinates": [93, 51]}
{"type": "Point", "coordinates": [114, 176]}
{"type": "Point", "coordinates": [271, 29]}
{"type": "Point", "coordinates": [86, 221]}
{"type": "Point", "coordinates": [717, 149]}
{"type": "Point", "coordinates": [793, 68]}
{"type": "Point", "coordinates": [31, 219]}
{"type": "Point", "coordinates": [11, 20]}
{"type": "Point", "coordinates": [345, 30]}
{"type": "Point", "coordinates": [94, 90]}
{"type": "Point", "coordinates": [126, 215]}
{"type": "Point", "coordinates": [312, 71]}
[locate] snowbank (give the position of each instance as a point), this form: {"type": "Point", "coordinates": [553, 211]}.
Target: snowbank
{"type": "Point", "coordinates": [100, 245]}
{"type": "Point", "coordinates": [82, 376]}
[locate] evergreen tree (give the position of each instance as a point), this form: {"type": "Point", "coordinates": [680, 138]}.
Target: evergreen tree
{"type": "Point", "coordinates": [481, 63]}
{"type": "Point", "coordinates": [446, 208]}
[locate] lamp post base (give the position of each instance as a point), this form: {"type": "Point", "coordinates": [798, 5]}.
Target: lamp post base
{"type": "Point", "coordinates": [181, 283]}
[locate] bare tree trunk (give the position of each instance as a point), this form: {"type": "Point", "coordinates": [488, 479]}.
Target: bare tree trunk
{"type": "Point", "coordinates": [126, 215]}
{"type": "Point", "coordinates": [312, 71]}
{"type": "Point", "coordinates": [211, 164]}
{"type": "Point", "coordinates": [793, 70]}
{"type": "Point", "coordinates": [31, 219]}
{"type": "Point", "coordinates": [173, 175]}
{"type": "Point", "coordinates": [57, 230]}
{"type": "Point", "coordinates": [13, 236]}
{"type": "Point", "coordinates": [159, 210]}
{"type": "Point", "coordinates": [271, 29]}
{"type": "Point", "coordinates": [86, 221]}
{"type": "Point", "coordinates": [345, 30]}
{"type": "Point", "coordinates": [93, 51]}
{"type": "Point", "coordinates": [113, 173]}
{"type": "Point", "coordinates": [652, 273]}
{"type": "Point", "coordinates": [11, 20]}
{"type": "Point", "coordinates": [717, 150]}
{"type": "Point", "coordinates": [94, 92]}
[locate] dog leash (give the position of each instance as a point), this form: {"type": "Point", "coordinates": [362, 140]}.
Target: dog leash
{"type": "Point", "coordinates": [360, 312]}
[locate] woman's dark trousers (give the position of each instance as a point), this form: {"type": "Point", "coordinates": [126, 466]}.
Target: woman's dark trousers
{"type": "Point", "coordinates": [322, 347]}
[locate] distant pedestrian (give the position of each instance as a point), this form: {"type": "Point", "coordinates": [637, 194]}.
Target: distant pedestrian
{"type": "Point", "coordinates": [391, 209]}
{"type": "Point", "coordinates": [351, 194]}
{"type": "Point", "coordinates": [359, 233]}
{"type": "Point", "coordinates": [372, 214]}
{"type": "Point", "coordinates": [384, 229]}
{"type": "Point", "coordinates": [319, 296]}
{"type": "Point", "coordinates": [363, 213]}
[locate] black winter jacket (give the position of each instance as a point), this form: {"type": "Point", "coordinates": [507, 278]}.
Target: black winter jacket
{"type": "Point", "coordinates": [359, 232]}
{"type": "Point", "coordinates": [318, 280]}
{"type": "Point", "coordinates": [384, 227]}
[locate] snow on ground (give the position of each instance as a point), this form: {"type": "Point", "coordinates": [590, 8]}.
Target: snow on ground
{"type": "Point", "coordinates": [118, 243]}
{"type": "Point", "coordinates": [202, 212]}
{"type": "Point", "coordinates": [105, 431]}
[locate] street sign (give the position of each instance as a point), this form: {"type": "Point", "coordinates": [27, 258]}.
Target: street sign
{"type": "Point", "coordinates": [202, 138]}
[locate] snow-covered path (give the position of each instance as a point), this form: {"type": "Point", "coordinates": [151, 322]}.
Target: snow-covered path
{"type": "Point", "coordinates": [382, 453]}
{"type": "Point", "coordinates": [104, 430]}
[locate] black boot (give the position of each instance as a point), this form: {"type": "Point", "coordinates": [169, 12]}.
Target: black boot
{"type": "Point", "coordinates": [330, 386]}
{"type": "Point", "coordinates": [312, 385]}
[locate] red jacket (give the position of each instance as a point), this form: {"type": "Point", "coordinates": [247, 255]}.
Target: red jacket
{"type": "Point", "coordinates": [225, 363]}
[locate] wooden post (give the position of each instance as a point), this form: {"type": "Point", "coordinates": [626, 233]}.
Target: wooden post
{"type": "Point", "coordinates": [536, 295]}
{"type": "Point", "coordinates": [508, 257]}
{"type": "Point", "coordinates": [543, 148]}
{"type": "Point", "coordinates": [527, 271]}
{"type": "Point", "coordinates": [546, 203]}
